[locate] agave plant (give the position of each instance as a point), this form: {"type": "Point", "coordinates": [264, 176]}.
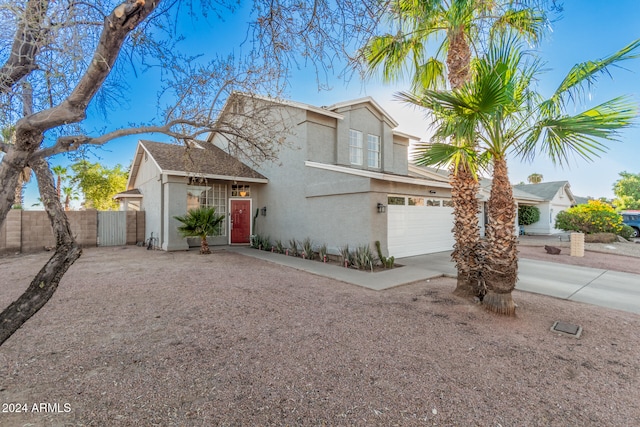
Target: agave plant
{"type": "Point", "coordinates": [322, 251]}
{"type": "Point", "coordinates": [293, 247]}
{"type": "Point", "coordinates": [347, 258]}
{"type": "Point", "coordinates": [364, 257]}
{"type": "Point", "coordinates": [307, 249]}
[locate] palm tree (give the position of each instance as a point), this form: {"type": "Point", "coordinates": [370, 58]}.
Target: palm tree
{"type": "Point", "coordinates": [500, 110]}
{"type": "Point", "coordinates": [70, 194]}
{"type": "Point", "coordinates": [61, 174]}
{"type": "Point", "coordinates": [456, 25]}
{"type": "Point", "coordinates": [535, 178]}
{"type": "Point", "coordinates": [23, 180]}
{"type": "Point", "coordinates": [200, 222]}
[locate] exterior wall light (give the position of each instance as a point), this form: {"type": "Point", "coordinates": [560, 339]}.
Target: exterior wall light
{"type": "Point", "coordinates": [432, 191]}
{"type": "Point", "coordinates": [263, 211]}
{"type": "Point", "coordinates": [381, 208]}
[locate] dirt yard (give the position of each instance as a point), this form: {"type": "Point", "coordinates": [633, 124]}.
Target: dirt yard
{"type": "Point", "coordinates": [137, 337]}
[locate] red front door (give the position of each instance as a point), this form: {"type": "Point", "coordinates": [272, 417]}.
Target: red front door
{"type": "Point", "coordinates": [240, 221]}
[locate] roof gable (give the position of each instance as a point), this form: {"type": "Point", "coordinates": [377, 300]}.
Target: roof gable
{"type": "Point", "coordinates": [546, 190]}
{"type": "Point", "coordinates": [369, 102]}
{"type": "Point", "coordinates": [206, 160]}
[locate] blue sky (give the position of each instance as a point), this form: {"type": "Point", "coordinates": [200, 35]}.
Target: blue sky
{"type": "Point", "coordinates": [588, 29]}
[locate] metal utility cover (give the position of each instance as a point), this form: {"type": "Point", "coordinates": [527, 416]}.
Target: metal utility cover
{"type": "Point", "coordinates": [567, 329]}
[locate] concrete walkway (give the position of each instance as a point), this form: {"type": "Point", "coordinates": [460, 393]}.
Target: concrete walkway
{"type": "Point", "coordinates": [605, 288]}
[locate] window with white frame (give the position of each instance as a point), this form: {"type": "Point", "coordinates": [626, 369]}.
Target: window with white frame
{"type": "Point", "coordinates": [214, 195]}
{"type": "Point", "coordinates": [373, 151]}
{"type": "Point", "coordinates": [355, 147]}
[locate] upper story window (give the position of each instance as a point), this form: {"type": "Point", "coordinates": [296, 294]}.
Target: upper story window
{"type": "Point", "coordinates": [355, 147]}
{"type": "Point", "coordinates": [373, 151]}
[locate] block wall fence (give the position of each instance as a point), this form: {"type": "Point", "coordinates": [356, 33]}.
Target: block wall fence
{"type": "Point", "coordinates": [30, 231]}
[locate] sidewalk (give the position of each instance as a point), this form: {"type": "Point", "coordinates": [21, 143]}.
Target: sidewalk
{"type": "Point", "coordinates": [605, 288]}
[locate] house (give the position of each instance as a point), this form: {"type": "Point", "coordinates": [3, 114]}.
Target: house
{"type": "Point", "coordinates": [167, 180]}
{"type": "Point", "coordinates": [342, 178]}
{"type": "Point", "coordinates": [554, 197]}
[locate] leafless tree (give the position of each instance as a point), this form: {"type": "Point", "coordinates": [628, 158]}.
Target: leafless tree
{"type": "Point", "coordinates": [60, 59]}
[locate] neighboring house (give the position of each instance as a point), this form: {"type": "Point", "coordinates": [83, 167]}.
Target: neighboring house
{"type": "Point", "coordinates": [556, 197]}
{"type": "Point", "coordinates": [342, 178]}
{"type": "Point", "coordinates": [581, 200]}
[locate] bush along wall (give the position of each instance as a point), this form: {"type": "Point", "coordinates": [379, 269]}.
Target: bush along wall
{"type": "Point", "coordinates": [528, 215]}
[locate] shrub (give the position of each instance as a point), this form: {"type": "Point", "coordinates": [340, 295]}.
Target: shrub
{"type": "Point", "coordinates": [600, 238]}
{"type": "Point", "coordinates": [627, 232]}
{"type": "Point", "coordinates": [347, 258]}
{"type": "Point", "coordinates": [528, 215]}
{"type": "Point", "coordinates": [593, 217]}
{"type": "Point", "coordinates": [279, 247]}
{"type": "Point", "coordinates": [265, 243]}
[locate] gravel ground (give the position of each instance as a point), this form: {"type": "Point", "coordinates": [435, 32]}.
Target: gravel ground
{"type": "Point", "coordinates": [137, 337]}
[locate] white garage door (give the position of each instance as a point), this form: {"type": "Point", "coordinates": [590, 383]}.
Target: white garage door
{"type": "Point", "coordinates": [419, 226]}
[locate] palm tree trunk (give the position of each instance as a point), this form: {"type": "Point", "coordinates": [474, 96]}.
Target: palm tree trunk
{"type": "Point", "coordinates": [46, 282]}
{"type": "Point", "coordinates": [467, 251]}
{"type": "Point", "coordinates": [204, 246]}
{"type": "Point", "coordinates": [464, 187]}
{"type": "Point", "coordinates": [458, 58]}
{"type": "Point", "coordinates": [501, 271]}
{"type": "Point", "coordinates": [19, 194]}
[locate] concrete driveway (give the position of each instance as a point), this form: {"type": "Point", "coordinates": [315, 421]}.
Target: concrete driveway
{"type": "Point", "coordinates": [605, 288]}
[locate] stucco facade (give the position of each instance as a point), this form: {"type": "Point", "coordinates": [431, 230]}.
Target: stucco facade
{"type": "Point", "coordinates": [338, 165]}
{"type": "Point", "coordinates": [315, 190]}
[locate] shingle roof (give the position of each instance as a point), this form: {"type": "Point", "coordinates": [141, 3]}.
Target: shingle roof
{"type": "Point", "coordinates": [546, 190]}
{"type": "Point", "coordinates": [135, 193]}
{"type": "Point", "coordinates": [206, 160]}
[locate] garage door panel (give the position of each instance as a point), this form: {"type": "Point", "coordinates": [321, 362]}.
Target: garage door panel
{"type": "Point", "coordinates": [416, 230]}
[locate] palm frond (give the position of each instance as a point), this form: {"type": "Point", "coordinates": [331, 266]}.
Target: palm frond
{"type": "Point", "coordinates": [389, 53]}
{"type": "Point", "coordinates": [581, 135]}
{"type": "Point", "coordinates": [445, 155]}
{"type": "Point", "coordinates": [528, 23]}
{"type": "Point", "coordinates": [200, 222]}
{"type": "Point", "coordinates": [583, 76]}
{"type": "Point", "coordinates": [430, 75]}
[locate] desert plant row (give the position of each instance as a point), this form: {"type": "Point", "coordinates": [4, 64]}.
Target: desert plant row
{"type": "Point", "coordinates": [362, 257]}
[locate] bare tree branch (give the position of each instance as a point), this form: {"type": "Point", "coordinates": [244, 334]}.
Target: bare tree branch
{"type": "Point", "coordinates": [30, 130]}
{"type": "Point", "coordinates": [22, 59]}
{"type": "Point", "coordinates": [117, 26]}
